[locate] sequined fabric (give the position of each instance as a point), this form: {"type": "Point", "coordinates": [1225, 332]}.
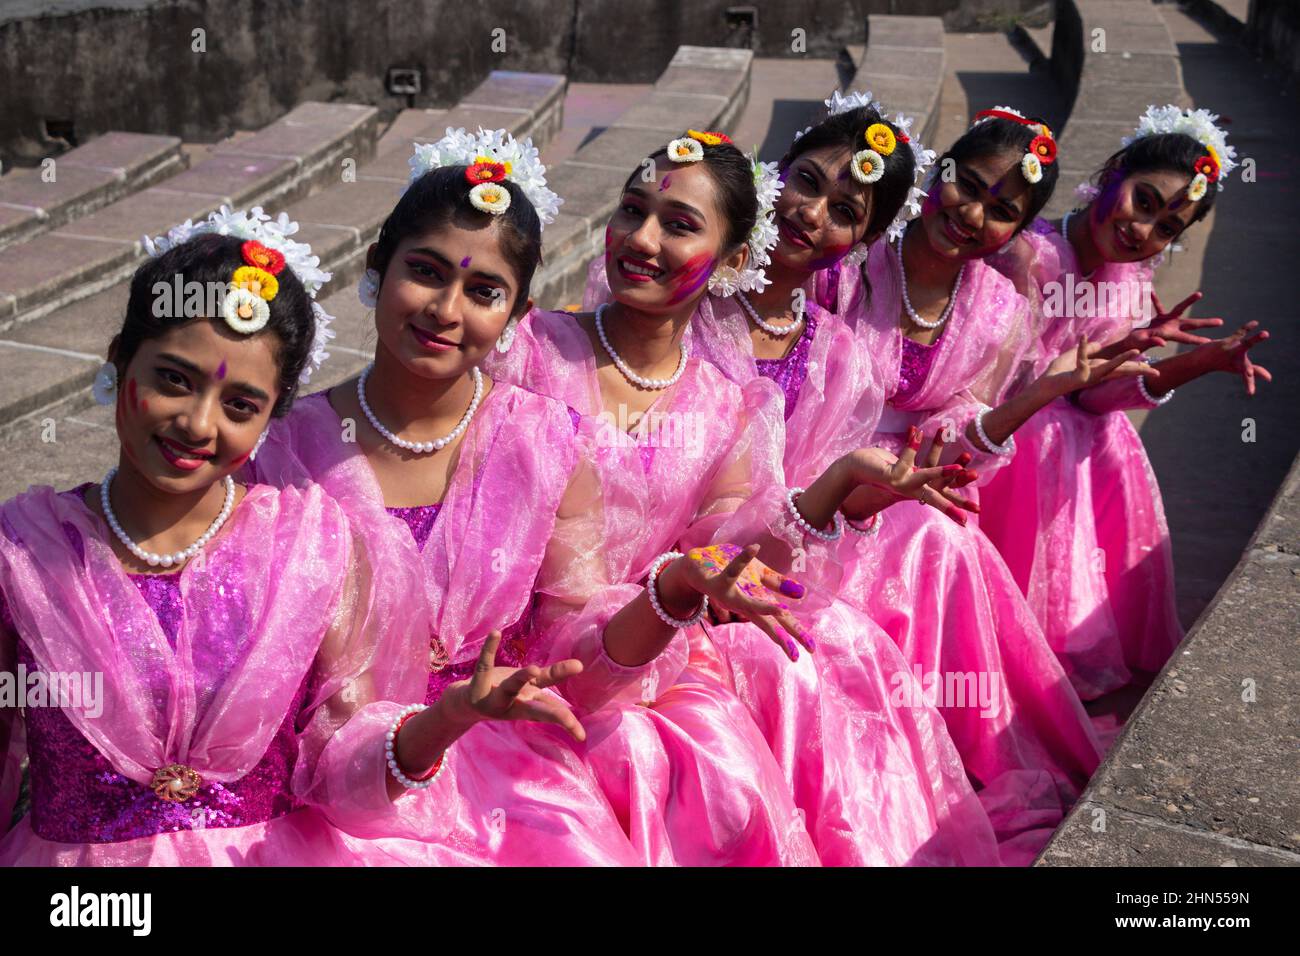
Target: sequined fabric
{"type": "Point", "coordinates": [77, 796]}
{"type": "Point", "coordinates": [420, 520]}
{"type": "Point", "coordinates": [917, 359]}
{"type": "Point", "coordinates": [790, 371]}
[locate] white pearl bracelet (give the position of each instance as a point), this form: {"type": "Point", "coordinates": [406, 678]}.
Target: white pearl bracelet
{"type": "Point", "coordinates": [1152, 400]}
{"type": "Point", "coordinates": [988, 444]}
{"type": "Point", "coordinates": [832, 535]}
{"type": "Point", "coordinates": [390, 742]}
{"type": "Point", "coordinates": [871, 530]}
{"type": "Point", "coordinates": [652, 589]}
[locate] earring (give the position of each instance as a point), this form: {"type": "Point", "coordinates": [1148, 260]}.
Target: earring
{"type": "Point", "coordinates": [507, 335]}
{"type": "Point", "coordinates": [105, 387]}
{"type": "Point", "coordinates": [252, 455]}
{"type": "Point", "coordinates": [368, 289]}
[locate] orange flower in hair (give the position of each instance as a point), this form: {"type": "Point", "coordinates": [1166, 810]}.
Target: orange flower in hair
{"type": "Point", "coordinates": [708, 138]}
{"type": "Point", "coordinates": [256, 254]}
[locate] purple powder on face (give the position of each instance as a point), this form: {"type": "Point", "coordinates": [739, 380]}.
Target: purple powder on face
{"type": "Point", "coordinates": [464, 263]}
{"type": "Point", "coordinates": [221, 371]}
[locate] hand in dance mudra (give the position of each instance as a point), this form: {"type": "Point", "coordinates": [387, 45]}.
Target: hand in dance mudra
{"type": "Point", "coordinates": [1083, 366]}
{"type": "Point", "coordinates": [1231, 354]}
{"type": "Point", "coordinates": [885, 479]}
{"type": "Point", "coordinates": [509, 693]}
{"type": "Point", "coordinates": [1168, 326]}
{"type": "Point", "coordinates": [738, 584]}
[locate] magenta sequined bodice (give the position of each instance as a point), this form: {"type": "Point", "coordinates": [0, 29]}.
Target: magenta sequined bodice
{"type": "Point", "coordinates": [915, 367]}
{"type": "Point", "coordinates": [790, 371]}
{"type": "Point", "coordinates": [420, 520]}
{"type": "Point", "coordinates": [78, 797]}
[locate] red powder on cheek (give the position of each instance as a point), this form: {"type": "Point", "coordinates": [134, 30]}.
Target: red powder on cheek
{"type": "Point", "coordinates": [689, 278]}
{"type": "Point", "coordinates": [144, 405]}
{"type": "Point", "coordinates": [130, 394]}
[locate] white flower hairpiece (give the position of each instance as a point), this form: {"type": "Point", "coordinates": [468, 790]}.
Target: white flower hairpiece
{"type": "Point", "coordinates": [922, 158]}
{"type": "Point", "coordinates": [1199, 125]}
{"type": "Point", "coordinates": [762, 239]}
{"type": "Point", "coordinates": [275, 235]}
{"type": "Point", "coordinates": [520, 159]}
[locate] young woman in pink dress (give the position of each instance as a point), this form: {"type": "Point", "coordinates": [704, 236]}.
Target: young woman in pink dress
{"type": "Point", "coordinates": [950, 335]}
{"type": "Point", "coordinates": [1077, 514]}
{"type": "Point", "coordinates": [876, 780]}
{"type": "Point", "coordinates": [233, 663]}
{"type": "Point", "coordinates": [514, 529]}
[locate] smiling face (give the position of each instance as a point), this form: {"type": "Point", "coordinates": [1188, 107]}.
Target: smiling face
{"type": "Point", "coordinates": [822, 211]}
{"type": "Point", "coordinates": [192, 403]}
{"type": "Point", "coordinates": [1136, 216]}
{"type": "Point", "coordinates": [665, 239]}
{"type": "Point", "coordinates": [445, 297]}
{"type": "Point", "coordinates": [979, 211]}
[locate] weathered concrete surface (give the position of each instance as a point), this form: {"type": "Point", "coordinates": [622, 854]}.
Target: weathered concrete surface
{"type": "Point", "coordinates": [1207, 771]}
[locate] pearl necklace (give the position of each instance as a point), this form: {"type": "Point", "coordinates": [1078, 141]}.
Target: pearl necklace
{"type": "Point", "coordinates": [907, 302]}
{"type": "Point", "coordinates": [774, 330]}
{"type": "Point", "coordinates": [631, 376]}
{"type": "Point", "coordinates": [420, 447]}
{"type": "Point", "coordinates": [1065, 234]}
{"type": "Point", "coordinates": [166, 560]}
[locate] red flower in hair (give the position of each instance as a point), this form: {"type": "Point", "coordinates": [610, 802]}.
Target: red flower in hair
{"type": "Point", "coordinates": [1208, 168]}
{"type": "Point", "coordinates": [903, 137]}
{"type": "Point", "coordinates": [1044, 147]}
{"type": "Point", "coordinates": [258, 255]}
{"type": "Point", "coordinates": [485, 173]}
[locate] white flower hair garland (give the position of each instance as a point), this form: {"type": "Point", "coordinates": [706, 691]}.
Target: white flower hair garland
{"type": "Point", "coordinates": [268, 248]}
{"type": "Point", "coordinates": [1220, 158]}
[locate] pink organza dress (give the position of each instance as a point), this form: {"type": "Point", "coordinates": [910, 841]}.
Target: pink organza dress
{"type": "Point", "coordinates": [942, 591]}
{"type": "Point", "coordinates": [514, 793]}
{"type": "Point", "coordinates": [270, 667]}
{"type": "Point", "coordinates": [1077, 515]}
{"type": "Point", "coordinates": [873, 784]}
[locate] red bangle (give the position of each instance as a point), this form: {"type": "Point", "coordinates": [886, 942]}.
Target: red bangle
{"type": "Point", "coordinates": [432, 770]}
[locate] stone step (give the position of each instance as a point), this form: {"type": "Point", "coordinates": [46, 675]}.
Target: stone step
{"type": "Point", "coordinates": [83, 180]}
{"type": "Point", "coordinates": [902, 65]}
{"type": "Point", "coordinates": [62, 350]}
{"type": "Point", "coordinates": [289, 159]}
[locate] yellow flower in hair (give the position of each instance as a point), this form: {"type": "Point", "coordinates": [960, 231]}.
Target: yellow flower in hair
{"type": "Point", "coordinates": [708, 139]}
{"type": "Point", "coordinates": [257, 281]}
{"type": "Point", "coordinates": [881, 138]}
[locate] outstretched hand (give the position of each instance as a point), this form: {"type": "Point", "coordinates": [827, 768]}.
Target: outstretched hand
{"type": "Point", "coordinates": [734, 580]}
{"type": "Point", "coordinates": [508, 693]}
{"type": "Point", "coordinates": [1081, 367]}
{"type": "Point", "coordinates": [1170, 326]}
{"type": "Point", "coordinates": [885, 479]}
{"type": "Point", "coordinates": [1231, 354]}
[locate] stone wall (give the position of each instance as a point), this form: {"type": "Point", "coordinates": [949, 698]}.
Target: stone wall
{"type": "Point", "coordinates": [72, 69]}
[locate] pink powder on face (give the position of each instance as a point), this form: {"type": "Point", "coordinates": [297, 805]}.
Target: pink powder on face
{"type": "Point", "coordinates": [690, 277]}
{"type": "Point", "coordinates": [830, 256]}
{"type": "Point", "coordinates": [668, 177]}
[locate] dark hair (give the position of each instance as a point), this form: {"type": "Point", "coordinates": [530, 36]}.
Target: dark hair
{"type": "Point", "coordinates": [733, 174]}
{"type": "Point", "coordinates": [1170, 152]}
{"type": "Point", "coordinates": [848, 130]}
{"type": "Point", "coordinates": [442, 194]}
{"type": "Point", "coordinates": [211, 258]}
{"type": "Point", "coordinates": [996, 135]}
